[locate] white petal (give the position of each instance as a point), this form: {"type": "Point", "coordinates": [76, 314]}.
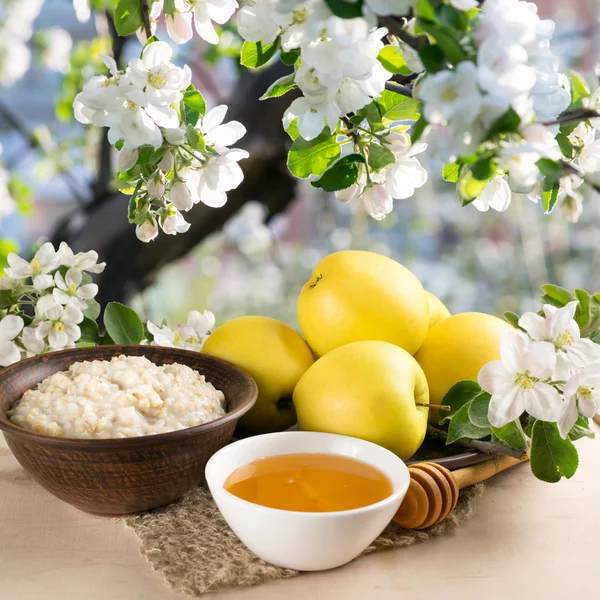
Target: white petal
{"type": "Point", "coordinates": [71, 315]}
{"type": "Point", "coordinates": [164, 116]}
{"type": "Point", "coordinates": [87, 291]}
{"type": "Point", "coordinates": [543, 402]}
{"type": "Point", "coordinates": [73, 277]}
{"type": "Point", "coordinates": [213, 118]}
{"type": "Point", "coordinates": [48, 257]}
{"type": "Point", "coordinates": [10, 327]}
{"type": "Point", "coordinates": [506, 407]}
{"type": "Point", "coordinates": [156, 54]}
{"type": "Point", "coordinates": [227, 134]}
{"type": "Point", "coordinates": [563, 320]}
{"type": "Point", "coordinates": [513, 349]}
{"type": "Point", "coordinates": [9, 354]}
{"type": "Point", "coordinates": [58, 339]}
{"type": "Point", "coordinates": [19, 268]}
{"type": "Point", "coordinates": [534, 325]}
{"type": "Point", "coordinates": [495, 379]}
{"type": "Point", "coordinates": [566, 422]}
{"type": "Point", "coordinates": [541, 359]}
{"type": "Point", "coordinates": [204, 26]}
{"type": "Point", "coordinates": [42, 282]}
{"type": "Point", "coordinates": [202, 323]}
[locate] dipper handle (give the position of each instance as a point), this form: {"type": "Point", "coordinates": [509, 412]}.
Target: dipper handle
{"type": "Point", "coordinates": [470, 475]}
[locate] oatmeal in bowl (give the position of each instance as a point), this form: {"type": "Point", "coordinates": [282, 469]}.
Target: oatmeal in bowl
{"type": "Point", "coordinates": [127, 396]}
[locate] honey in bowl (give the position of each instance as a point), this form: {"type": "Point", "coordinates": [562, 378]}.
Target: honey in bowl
{"type": "Point", "coordinates": [309, 483]}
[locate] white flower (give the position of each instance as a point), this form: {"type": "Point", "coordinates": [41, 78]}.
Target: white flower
{"type": "Point", "coordinates": [46, 259]}
{"type": "Point", "coordinates": [582, 391]}
{"type": "Point", "coordinates": [84, 261]}
{"type": "Point", "coordinates": [256, 23]}
{"type": "Point", "coordinates": [190, 336]}
{"type": "Point", "coordinates": [516, 382]}
{"type": "Point", "coordinates": [312, 117]}
{"type": "Point", "coordinates": [496, 195]}
{"type": "Point", "coordinates": [520, 160]}
{"type": "Point", "coordinates": [82, 10]}
{"type": "Point", "coordinates": [219, 175]}
{"type": "Point", "coordinates": [451, 94]}
{"type": "Point", "coordinates": [33, 345]}
{"type": "Point", "coordinates": [167, 162]}
{"type": "Point", "coordinates": [132, 123]}
{"type": "Point", "coordinates": [174, 223]}
{"type": "Point", "coordinates": [56, 56]}
{"type": "Point", "coordinates": [155, 186]}
{"type": "Point", "coordinates": [589, 157]}
{"type": "Point", "coordinates": [127, 158]}
{"type": "Point", "coordinates": [8, 283]}
{"type": "Point", "coordinates": [10, 327]}
{"type": "Point", "coordinates": [180, 194]}
{"type": "Point", "coordinates": [207, 11]}
{"type": "Point", "coordinates": [247, 229]}
{"type": "Point", "coordinates": [15, 59]}
{"type": "Point", "coordinates": [219, 134]}
{"type": "Point", "coordinates": [69, 289]}
{"type": "Point", "coordinates": [147, 232]}
{"type": "Point", "coordinates": [61, 328]}
{"type": "Point", "coordinates": [179, 25]}
{"type": "Point", "coordinates": [560, 329]}
{"type": "Point", "coordinates": [377, 201]}
{"type": "Point", "coordinates": [571, 208]}
{"type": "Point", "coordinates": [160, 80]}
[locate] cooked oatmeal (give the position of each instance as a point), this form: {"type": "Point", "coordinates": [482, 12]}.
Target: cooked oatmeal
{"type": "Point", "coordinates": [128, 396]}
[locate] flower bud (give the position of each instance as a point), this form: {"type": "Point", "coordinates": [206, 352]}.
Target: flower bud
{"type": "Point", "coordinates": [147, 232]}
{"type": "Point", "coordinates": [174, 223]}
{"type": "Point", "coordinates": [175, 135]}
{"type": "Point", "coordinates": [167, 163]}
{"type": "Point", "coordinates": [156, 186]}
{"type": "Point", "coordinates": [180, 196]}
{"type": "Point", "coordinates": [127, 158]}
{"type": "Point", "coordinates": [571, 208]}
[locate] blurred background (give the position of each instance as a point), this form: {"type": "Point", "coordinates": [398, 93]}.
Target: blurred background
{"type": "Point", "coordinates": [253, 255]}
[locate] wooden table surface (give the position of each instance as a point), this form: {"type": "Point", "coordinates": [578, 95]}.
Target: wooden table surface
{"type": "Point", "coordinates": [527, 539]}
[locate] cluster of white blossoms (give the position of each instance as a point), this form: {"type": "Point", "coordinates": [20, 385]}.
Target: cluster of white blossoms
{"type": "Point", "coordinates": [137, 105]}
{"type": "Point", "coordinates": [339, 71]}
{"type": "Point", "coordinates": [190, 336]}
{"type": "Point", "coordinates": [398, 180]}
{"type": "Point", "coordinates": [515, 69]}
{"type": "Point", "coordinates": [57, 286]}
{"type": "Point", "coordinates": [548, 371]}
{"type": "Point", "coordinates": [16, 29]}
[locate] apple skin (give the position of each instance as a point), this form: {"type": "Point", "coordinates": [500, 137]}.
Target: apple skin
{"type": "Point", "coordinates": [437, 310]}
{"type": "Point", "coordinates": [276, 356]}
{"type": "Point", "coordinates": [366, 390]}
{"type": "Point", "coordinates": [355, 296]}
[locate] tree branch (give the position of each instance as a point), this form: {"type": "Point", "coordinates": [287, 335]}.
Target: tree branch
{"type": "Point", "coordinates": [581, 114]}
{"type": "Point", "coordinates": [18, 124]}
{"type": "Point", "coordinates": [487, 447]}
{"type": "Point", "coordinates": [146, 18]}
{"type": "Point", "coordinates": [395, 27]}
{"type": "Point", "coordinates": [405, 90]}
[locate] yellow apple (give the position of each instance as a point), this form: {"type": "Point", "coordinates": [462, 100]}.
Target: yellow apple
{"type": "Point", "coordinates": [437, 310]}
{"type": "Point", "coordinates": [275, 355]}
{"type": "Point", "coordinates": [456, 349]}
{"type": "Point", "coordinates": [354, 296]}
{"type": "Point", "coordinates": [367, 390]}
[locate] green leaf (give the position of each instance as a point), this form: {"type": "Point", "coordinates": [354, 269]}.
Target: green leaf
{"type": "Point", "coordinates": [457, 396]}
{"type": "Point", "coordinates": [550, 189]}
{"type": "Point", "coordinates": [418, 129]}
{"type": "Point", "coordinates": [194, 137]}
{"type": "Point", "coordinates": [424, 8]}
{"type": "Point", "coordinates": [512, 318]}
{"type": "Point", "coordinates": [579, 87]}
{"type": "Point", "coordinates": [313, 157]}
{"type": "Point", "coordinates": [396, 107]}
{"type": "Point", "coordinates": [468, 188]}
{"type": "Point", "coordinates": [448, 15]}
{"type": "Point", "coordinates": [255, 55]}
{"type": "Point", "coordinates": [92, 312]}
{"type": "Point", "coordinates": [581, 429]}
{"type": "Point", "coordinates": [372, 113]}
{"type": "Point", "coordinates": [445, 37]}
{"type": "Point", "coordinates": [289, 58]}
{"type": "Point", "coordinates": [194, 100]}
{"type": "Point", "coordinates": [478, 410]}
{"type": "Point", "coordinates": [89, 331]}
{"type": "Point", "coordinates": [280, 87]}
{"type": "Point", "coordinates": [341, 174]}
{"type": "Point", "coordinates": [451, 172]}
{"type": "Point", "coordinates": [123, 324]}
{"type": "Point", "coordinates": [565, 145]}
{"type": "Point", "coordinates": [507, 123]}
{"type": "Point", "coordinates": [551, 457]}
{"type": "Point", "coordinates": [392, 59]}
{"type": "Point", "coordinates": [128, 17]}
{"type": "Point", "coordinates": [380, 157]}
{"type": "Point", "coordinates": [484, 169]}
{"type": "Point", "coordinates": [292, 130]}
{"type": "Point", "coordinates": [582, 314]}
{"type": "Point", "coordinates": [345, 9]}
{"type": "Point", "coordinates": [549, 168]}
{"type": "Point", "coordinates": [555, 295]}
{"type": "Point", "coordinates": [6, 299]}
{"type": "Point", "coordinates": [512, 435]}
{"type": "Point", "coordinates": [461, 427]}
{"type": "Point", "coordinates": [433, 58]}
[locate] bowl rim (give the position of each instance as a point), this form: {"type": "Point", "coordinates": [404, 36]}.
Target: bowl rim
{"type": "Point", "coordinates": [338, 514]}
{"type": "Point", "coordinates": [116, 350]}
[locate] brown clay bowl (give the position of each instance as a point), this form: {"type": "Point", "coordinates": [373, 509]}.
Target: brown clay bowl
{"type": "Point", "coordinates": [112, 477]}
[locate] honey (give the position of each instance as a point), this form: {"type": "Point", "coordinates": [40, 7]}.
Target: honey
{"type": "Point", "coordinates": [309, 483]}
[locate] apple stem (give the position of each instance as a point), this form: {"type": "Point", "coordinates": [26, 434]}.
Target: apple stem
{"type": "Point", "coordinates": [438, 406]}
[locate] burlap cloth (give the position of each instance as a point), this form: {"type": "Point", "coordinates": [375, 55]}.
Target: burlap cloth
{"type": "Point", "coordinates": [192, 547]}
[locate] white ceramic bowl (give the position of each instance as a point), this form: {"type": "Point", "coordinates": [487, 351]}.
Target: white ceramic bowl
{"type": "Point", "coordinates": [305, 541]}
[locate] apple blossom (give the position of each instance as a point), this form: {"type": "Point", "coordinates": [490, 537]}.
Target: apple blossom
{"type": "Point", "coordinates": [582, 391]}
{"type": "Point", "coordinates": [496, 195]}
{"type": "Point", "coordinates": [46, 259]}
{"type": "Point", "coordinates": [190, 336]}
{"type": "Point", "coordinates": [69, 289]}
{"type": "Point", "coordinates": [147, 231]}
{"type": "Point", "coordinates": [10, 327]}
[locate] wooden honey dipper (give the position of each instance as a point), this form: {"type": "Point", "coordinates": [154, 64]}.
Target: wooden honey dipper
{"type": "Point", "coordinates": [433, 491]}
